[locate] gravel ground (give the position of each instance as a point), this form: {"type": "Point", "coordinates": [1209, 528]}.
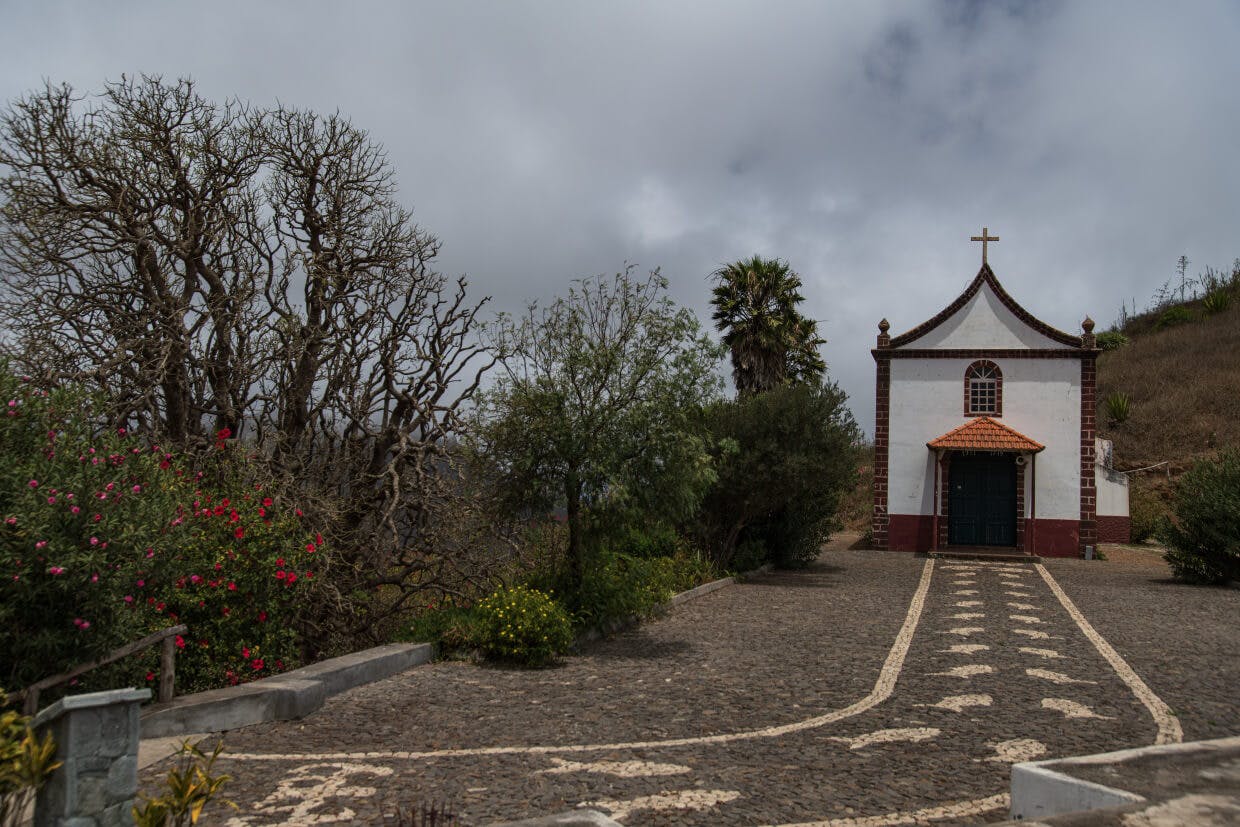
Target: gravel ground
{"type": "Point", "coordinates": [780, 649]}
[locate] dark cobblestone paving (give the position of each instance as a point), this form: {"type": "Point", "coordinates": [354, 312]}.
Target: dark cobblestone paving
{"type": "Point", "coordinates": [996, 672]}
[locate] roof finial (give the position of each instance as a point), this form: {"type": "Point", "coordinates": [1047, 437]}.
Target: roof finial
{"type": "Point", "coordinates": [884, 340]}
{"type": "Point", "coordinates": [884, 325]}
{"type": "Point", "coordinates": [984, 237]}
{"type": "Point", "coordinates": [1088, 325]}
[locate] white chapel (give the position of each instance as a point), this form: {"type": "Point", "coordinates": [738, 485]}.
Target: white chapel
{"type": "Point", "coordinates": [985, 433]}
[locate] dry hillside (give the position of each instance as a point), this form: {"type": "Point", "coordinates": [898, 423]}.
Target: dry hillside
{"type": "Point", "coordinates": [1184, 386]}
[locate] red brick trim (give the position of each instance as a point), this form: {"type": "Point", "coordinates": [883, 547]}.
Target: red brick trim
{"type": "Point", "coordinates": [982, 353]}
{"type": "Point", "coordinates": [882, 413]}
{"type": "Point", "coordinates": [1057, 538]}
{"type": "Point", "coordinates": [968, 375]}
{"type": "Point", "coordinates": [986, 276]}
{"type": "Point", "coordinates": [1089, 491]}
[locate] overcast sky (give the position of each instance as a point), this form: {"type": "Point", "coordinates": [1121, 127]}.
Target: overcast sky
{"type": "Point", "coordinates": [862, 142]}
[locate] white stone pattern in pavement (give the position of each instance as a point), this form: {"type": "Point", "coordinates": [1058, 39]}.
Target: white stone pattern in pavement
{"type": "Point", "coordinates": [334, 771]}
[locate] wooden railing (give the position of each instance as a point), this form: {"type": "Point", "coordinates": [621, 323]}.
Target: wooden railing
{"type": "Point", "coordinates": [167, 667]}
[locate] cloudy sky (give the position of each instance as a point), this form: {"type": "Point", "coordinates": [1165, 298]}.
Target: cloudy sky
{"type": "Point", "coordinates": [862, 142]}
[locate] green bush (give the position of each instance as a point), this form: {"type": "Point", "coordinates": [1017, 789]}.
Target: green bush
{"type": "Point", "coordinates": [786, 459]}
{"type": "Point", "coordinates": [106, 539]}
{"type": "Point", "coordinates": [750, 554]}
{"type": "Point", "coordinates": [1173, 316]}
{"type": "Point", "coordinates": [451, 628]}
{"type": "Point", "coordinates": [524, 625]}
{"type": "Point", "coordinates": [1111, 340]}
{"type": "Point", "coordinates": [25, 763]}
{"type": "Point", "coordinates": [1203, 536]}
{"type": "Point", "coordinates": [1118, 407]}
{"type": "Point", "coordinates": [1216, 301]}
{"type": "Point", "coordinates": [1147, 513]}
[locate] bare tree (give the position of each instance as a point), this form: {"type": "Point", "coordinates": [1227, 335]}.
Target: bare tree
{"type": "Point", "coordinates": [213, 267]}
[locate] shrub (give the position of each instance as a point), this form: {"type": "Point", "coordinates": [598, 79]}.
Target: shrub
{"type": "Point", "coordinates": [524, 625]}
{"type": "Point", "coordinates": [1118, 407]}
{"type": "Point", "coordinates": [106, 539]}
{"type": "Point", "coordinates": [1147, 513]}
{"type": "Point", "coordinates": [452, 628]}
{"type": "Point", "coordinates": [25, 764]}
{"type": "Point", "coordinates": [1216, 301]}
{"type": "Point", "coordinates": [1203, 537]}
{"type": "Point", "coordinates": [1111, 340]}
{"type": "Point", "coordinates": [786, 459]}
{"type": "Point", "coordinates": [190, 787]}
{"type": "Point", "coordinates": [1173, 316]}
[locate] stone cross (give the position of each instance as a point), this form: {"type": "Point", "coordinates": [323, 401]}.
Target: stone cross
{"type": "Point", "coordinates": [984, 237]}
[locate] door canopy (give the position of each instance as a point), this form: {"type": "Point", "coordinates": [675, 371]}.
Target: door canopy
{"type": "Point", "coordinates": [985, 434]}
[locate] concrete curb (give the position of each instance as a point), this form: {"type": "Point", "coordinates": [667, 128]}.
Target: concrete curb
{"type": "Point", "coordinates": [1046, 789]}
{"type": "Point", "coordinates": [281, 697]}
{"type": "Point", "coordinates": [572, 818]}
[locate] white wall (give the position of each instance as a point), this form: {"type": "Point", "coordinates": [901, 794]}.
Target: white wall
{"type": "Point", "coordinates": [1041, 399]}
{"type": "Point", "coordinates": [984, 322]}
{"type": "Point", "coordinates": [1112, 485]}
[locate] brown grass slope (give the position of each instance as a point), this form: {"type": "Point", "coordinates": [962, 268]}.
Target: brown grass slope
{"type": "Point", "coordinates": [1184, 387]}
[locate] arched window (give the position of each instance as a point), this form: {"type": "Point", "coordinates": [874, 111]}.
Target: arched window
{"type": "Point", "coordinates": [983, 390]}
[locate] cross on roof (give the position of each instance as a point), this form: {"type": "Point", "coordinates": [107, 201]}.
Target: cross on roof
{"type": "Point", "coordinates": [984, 237]}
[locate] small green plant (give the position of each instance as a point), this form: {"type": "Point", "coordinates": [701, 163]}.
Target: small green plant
{"type": "Point", "coordinates": [1173, 316]}
{"type": "Point", "coordinates": [1203, 536]}
{"type": "Point", "coordinates": [190, 787]}
{"type": "Point", "coordinates": [749, 555]}
{"type": "Point", "coordinates": [452, 628]}
{"type": "Point", "coordinates": [25, 764]}
{"type": "Point", "coordinates": [524, 625]}
{"type": "Point", "coordinates": [1111, 340]}
{"type": "Point", "coordinates": [1216, 301]}
{"type": "Point", "coordinates": [1118, 407]}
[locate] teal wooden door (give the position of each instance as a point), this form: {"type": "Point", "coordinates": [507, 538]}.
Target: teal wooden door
{"type": "Point", "coordinates": [981, 503]}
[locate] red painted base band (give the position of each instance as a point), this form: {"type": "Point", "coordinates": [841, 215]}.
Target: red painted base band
{"type": "Point", "coordinates": [1050, 538]}
{"type": "Point", "coordinates": [1114, 529]}
{"type": "Point", "coordinates": [910, 532]}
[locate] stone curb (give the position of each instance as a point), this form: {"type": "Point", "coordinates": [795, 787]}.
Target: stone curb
{"type": "Point", "coordinates": [1046, 789]}
{"type": "Point", "coordinates": [293, 694]}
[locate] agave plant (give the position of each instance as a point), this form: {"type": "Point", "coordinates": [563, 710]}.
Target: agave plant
{"type": "Point", "coordinates": [1118, 407]}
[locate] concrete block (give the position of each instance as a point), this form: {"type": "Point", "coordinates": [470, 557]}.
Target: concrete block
{"type": "Point", "coordinates": [1039, 792]}
{"type": "Point", "coordinates": [295, 698]}
{"type": "Point", "coordinates": [358, 668]}
{"type": "Point", "coordinates": [213, 711]}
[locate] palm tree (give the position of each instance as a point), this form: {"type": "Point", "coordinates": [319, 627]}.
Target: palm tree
{"type": "Point", "coordinates": [771, 342]}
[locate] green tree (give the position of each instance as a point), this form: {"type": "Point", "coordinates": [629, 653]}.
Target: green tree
{"type": "Point", "coordinates": [786, 459]}
{"type": "Point", "coordinates": [596, 408]}
{"type": "Point", "coordinates": [1203, 534]}
{"type": "Point", "coordinates": [771, 342]}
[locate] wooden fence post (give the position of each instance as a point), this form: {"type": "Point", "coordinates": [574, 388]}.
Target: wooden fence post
{"type": "Point", "coordinates": [167, 669]}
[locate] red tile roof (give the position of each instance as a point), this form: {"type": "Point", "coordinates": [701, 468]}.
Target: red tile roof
{"type": "Point", "coordinates": [985, 434]}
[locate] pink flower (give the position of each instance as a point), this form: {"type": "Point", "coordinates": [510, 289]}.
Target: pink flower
{"type": "Point", "coordinates": [33, 483]}
{"type": "Point", "coordinates": [141, 583]}
{"type": "Point", "coordinates": [51, 500]}
{"type": "Point", "coordinates": [120, 431]}
{"type": "Point", "coordinates": [128, 598]}
{"type": "Point", "coordinates": [137, 489]}
{"type": "Point", "coordinates": [94, 541]}
{"type": "Point", "coordinates": [11, 521]}
{"type": "Point", "coordinates": [193, 578]}
{"type": "Point", "coordinates": [74, 510]}
{"type": "Point", "coordinates": [40, 544]}
{"type": "Point", "coordinates": [94, 578]}
{"type": "Point", "coordinates": [109, 487]}
{"type": "Point", "coordinates": [57, 570]}
{"type": "Point", "coordinates": [150, 552]}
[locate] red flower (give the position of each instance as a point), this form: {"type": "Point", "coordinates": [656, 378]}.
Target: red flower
{"type": "Point", "coordinates": [310, 547]}
{"type": "Point", "coordinates": [262, 617]}
{"type": "Point", "coordinates": [267, 502]}
{"type": "Point", "coordinates": [245, 652]}
{"type": "Point", "coordinates": [150, 676]}
{"type": "Point", "coordinates": [256, 664]}
{"type": "Point", "coordinates": [180, 642]}
{"type": "Point", "coordinates": [280, 575]}
{"type": "Point", "coordinates": [232, 587]}
{"type": "Point", "coordinates": [239, 532]}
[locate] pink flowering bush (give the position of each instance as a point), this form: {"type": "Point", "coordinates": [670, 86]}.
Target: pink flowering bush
{"type": "Point", "coordinates": [106, 539]}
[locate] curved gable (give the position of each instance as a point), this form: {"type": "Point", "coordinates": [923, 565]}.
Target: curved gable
{"type": "Point", "coordinates": [985, 316]}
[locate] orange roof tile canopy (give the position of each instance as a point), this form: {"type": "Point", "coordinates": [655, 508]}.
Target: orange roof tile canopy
{"type": "Point", "coordinates": [985, 434]}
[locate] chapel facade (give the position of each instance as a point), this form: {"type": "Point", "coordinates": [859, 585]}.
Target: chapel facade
{"type": "Point", "coordinates": [985, 433]}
